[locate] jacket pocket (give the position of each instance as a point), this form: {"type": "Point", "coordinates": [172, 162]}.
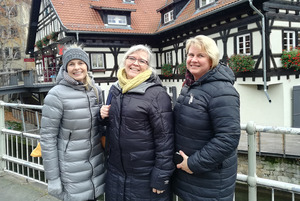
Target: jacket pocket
{"type": "Point", "coordinates": [67, 143]}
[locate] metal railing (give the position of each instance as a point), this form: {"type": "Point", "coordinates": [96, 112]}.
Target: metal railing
{"type": "Point", "coordinates": [27, 77]}
{"type": "Point", "coordinates": [16, 146]}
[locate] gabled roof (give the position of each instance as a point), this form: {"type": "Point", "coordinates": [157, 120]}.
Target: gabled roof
{"type": "Point", "coordinates": [78, 15]}
{"type": "Point", "coordinates": [83, 16]}
{"type": "Point", "coordinates": [189, 13]}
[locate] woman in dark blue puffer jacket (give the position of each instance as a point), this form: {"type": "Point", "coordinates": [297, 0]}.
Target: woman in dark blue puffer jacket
{"type": "Point", "coordinates": [140, 139]}
{"type": "Point", "coordinates": [207, 126]}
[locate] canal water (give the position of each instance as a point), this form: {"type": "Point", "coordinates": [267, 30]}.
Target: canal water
{"type": "Point", "coordinates": [263, 194]}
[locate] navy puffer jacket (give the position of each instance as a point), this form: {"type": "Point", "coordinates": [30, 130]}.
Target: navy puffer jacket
{"type": "Point", "coordinates": [141, 143]}
{"type": "Point", "coordinates": [207, 129]}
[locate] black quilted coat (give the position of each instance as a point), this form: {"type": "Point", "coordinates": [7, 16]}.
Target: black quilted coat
{"type": "Point", "coordinates": [207, 129]}
{"type": "Point", "coordinates": [140, 143]}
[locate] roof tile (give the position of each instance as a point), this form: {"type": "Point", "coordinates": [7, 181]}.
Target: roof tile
{"type": "Point", "coordinates": [79, 15]}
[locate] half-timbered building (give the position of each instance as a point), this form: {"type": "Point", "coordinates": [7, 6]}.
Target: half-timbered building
{"type": "Point", "coordinates": [107, 28]}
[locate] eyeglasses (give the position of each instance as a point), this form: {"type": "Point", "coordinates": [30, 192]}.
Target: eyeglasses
{"type": "Point", "coordinates": [141, 62]}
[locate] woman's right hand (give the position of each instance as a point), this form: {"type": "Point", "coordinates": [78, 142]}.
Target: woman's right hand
{"type": "Point", "coordinates": [55, 187]}
{"type": "Point", "coordinates": [104, 111]}
{"type": "Point", "coordinates": [184, 164]}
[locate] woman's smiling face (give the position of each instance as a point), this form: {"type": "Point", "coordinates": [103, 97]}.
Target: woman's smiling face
{"type": "Point", "coordinates": [77, 69]}
{"type": "Point", "coordinates": [198, 62]}
{"type": "Point", "coordinates": [136, 63]}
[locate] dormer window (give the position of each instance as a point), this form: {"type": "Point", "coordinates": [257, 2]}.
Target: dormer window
{"type": "Point", "coordinates": [128, 1]}
{"type": "Point", "coordinates": [115, 17]}
{"type": "Point", "coordinates": [168, 17]}
{"type": "Point", "coordinates": [116, 20]}
{"type": "Point", "coordinates": [203, 3]}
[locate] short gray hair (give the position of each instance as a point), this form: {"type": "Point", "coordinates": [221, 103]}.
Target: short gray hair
{"type": "Point", "coordinates": [136, 48]}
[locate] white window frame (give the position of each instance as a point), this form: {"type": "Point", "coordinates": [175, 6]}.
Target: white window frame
{"type": "Point", "coordinates": [168, 17]}
{"type": "Point", "coordinates": [116, 20]}
{"type": "Point", "coordinates": [128, 1]}
{"type": "Point", "coordinates": [289, 40]}
{"type": "Point", "coordinates": [203, 3]}
{"type": "Point", "coordinates": [97, 61]}
{"type": "Point", "coordinates": [243, 43]}
{"type": "Point", "coordinates": [169, 57]}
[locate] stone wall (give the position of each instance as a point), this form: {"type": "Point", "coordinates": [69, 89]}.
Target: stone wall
{"type": "Point", "coordinates": [280, 169]}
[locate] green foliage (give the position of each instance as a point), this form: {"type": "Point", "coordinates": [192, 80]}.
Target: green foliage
{"type": "Point", "coordinates": [54, 36]}
{"type": "Point", "coordinates": [167, 70]}
{"type": "Point", "coordinates": [241, 63]}
{"type": "Point", "coordinates": [39, 44]}
{"type": "Point", "coordinates": [182, 68]}
{"type": "Point", "coordinates": [13, 125]}
{"type": "Point", "coordinates": [291, 59]}
{"type": "Point", "coordinates": [46, 40]}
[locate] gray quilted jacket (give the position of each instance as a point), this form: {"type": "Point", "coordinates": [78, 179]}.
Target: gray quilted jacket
{"type": "Point", "coordinates": [73, 157]}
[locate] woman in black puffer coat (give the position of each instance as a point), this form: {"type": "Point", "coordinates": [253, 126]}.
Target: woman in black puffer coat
{"type": "Point", "coordinates": [207, 126]}
{"type": "Point", "coordinates": [140, 140]}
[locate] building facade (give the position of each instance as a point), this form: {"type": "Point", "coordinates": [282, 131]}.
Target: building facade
{"type": "Point", "coordinates": [107, 28]}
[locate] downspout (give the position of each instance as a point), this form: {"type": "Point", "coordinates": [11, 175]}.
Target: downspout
{"type": "Point", "coordinates": [264, 48]}
{"type": "Point", "coordinates": [77, 36]}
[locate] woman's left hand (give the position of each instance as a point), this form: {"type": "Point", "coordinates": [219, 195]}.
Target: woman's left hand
{"type": "Point", "coordinates": [157, 191]}
{"type": "Point", "coordinates": [184, 165]}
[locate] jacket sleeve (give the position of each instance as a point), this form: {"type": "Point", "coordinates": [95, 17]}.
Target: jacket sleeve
{"type": "Point", "coordinates": [51, 117]}
{"type": "Point", "coordinates": [162, 124]}
{"type": "Point", "coordinates": [224, 113]}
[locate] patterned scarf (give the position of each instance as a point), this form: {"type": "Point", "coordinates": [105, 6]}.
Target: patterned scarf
{"type": "Point", "coordinates": [189, 78]}
{"type": "Point", "coordinates": [127, 84]}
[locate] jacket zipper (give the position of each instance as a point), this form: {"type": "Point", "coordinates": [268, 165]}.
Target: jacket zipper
{"type": "Point", "coordinates": [120, 123]}
{"type": "Point", "coordinates": [68, 141]}
{"type": "Point", "coordinates": [91, 127]}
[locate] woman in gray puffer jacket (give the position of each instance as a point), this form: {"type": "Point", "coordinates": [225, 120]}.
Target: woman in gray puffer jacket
{"type": "Point", "coordinates": [72, 154]}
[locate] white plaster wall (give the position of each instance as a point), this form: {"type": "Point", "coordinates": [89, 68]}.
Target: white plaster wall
{"type": "Point", "coordinates": [230, 49]}
{"type": "Point", "coordinates": [221, 47]}
{"type": "Point", "coordinates": [295, 24]}
{"type": "Point", "coordinates": [256, 107]}
{"type": "Point", "coordinates": [276, 41]}
{"type": "Point", "coordinates": [257, 46]}
{"type": "Point", "coordinates": [281, 23]}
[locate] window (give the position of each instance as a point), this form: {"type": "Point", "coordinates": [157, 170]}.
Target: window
{"type": "Point", "coordinates": [205, 2]}
{"type": "Point", "coordinates": [97, 61]}
{"type": "Point", "coordinates": [128, 1]}
{"type": "Point", "coordinates": [117, 19]}
{"type": "Point", "coordinates": [10, 11]}
{"type": "Point", "coordinates": [168, 16]}
{"type": "Point", "coordinates": [16, 53]}
{"type": "Point", "coordinates": [6, 33]}
{"type": "Point", "coordinates": [299, 39]}
{"type": "Point", "coordinates": [169, 57]}
{"type": "Point", "coordinates": [289, 40]}
{"type": "Point", "coordinates": [244, 44]}
{"type": "Point", "coordinates": [12, 53]}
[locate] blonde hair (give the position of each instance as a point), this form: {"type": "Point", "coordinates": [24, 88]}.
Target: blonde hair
{"type": "Point", "coordinates": [87, 83]}
{"type": "Point", "coordinates": [206, 44]}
